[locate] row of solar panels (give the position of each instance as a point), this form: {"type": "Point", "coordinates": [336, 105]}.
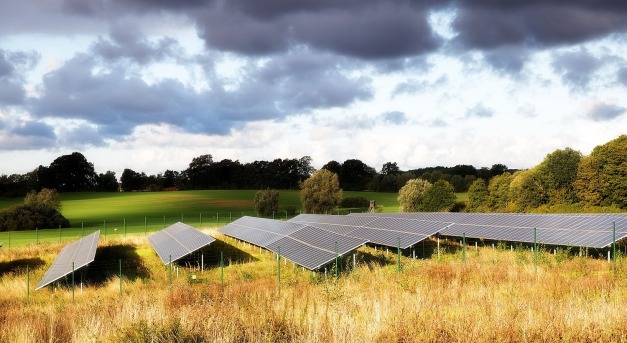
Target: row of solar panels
{"type": "Point", "coordinates": [171, 244]}
{"type": "Point", "coordinates": [579, 230]}
{"type": "Point", "coordinates": [308, 246]}
{"type": "Point", "coordinates": [313, 241]}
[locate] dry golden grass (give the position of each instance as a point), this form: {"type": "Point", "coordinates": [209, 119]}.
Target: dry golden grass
{"type": "Point", "coordinates": [493, 296]}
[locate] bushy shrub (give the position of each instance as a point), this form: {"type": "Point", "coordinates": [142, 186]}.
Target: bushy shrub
{"type": "Point", "coordinates": [267, 202]}
{"type": "Point", "coordinates": [31, 216]}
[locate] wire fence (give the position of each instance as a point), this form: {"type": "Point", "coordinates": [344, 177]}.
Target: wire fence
{"type": "Point", "coordinates": [121, 227]}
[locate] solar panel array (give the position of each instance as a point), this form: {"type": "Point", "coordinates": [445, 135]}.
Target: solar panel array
{"type": "Point", "coordinates": [308, 246]}
{"type": "Point", "coordinates": [384, 231]}
{"type": "Point", "coordinates": [74, 256]}
{"type": "Point", "coordinates": [178, 240]}
{"type": "Point", "coordinates": [581, 230]}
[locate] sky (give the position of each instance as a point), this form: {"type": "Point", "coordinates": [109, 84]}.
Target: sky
{"type": "Point", "coordinates": [151, 84]}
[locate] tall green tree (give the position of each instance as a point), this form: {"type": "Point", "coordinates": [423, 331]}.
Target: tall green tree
{"type": "Point", "coordinates": [69, 173]}
{"type": "Point", "coordinates": [439, 197]}
{"type": "Point", "coordinates": [477, 196]}
{"type": "Point", "coordinates": [558, 173]}
{"type": "Point", "coordinates": [608, 164]}
{"type": "Point", "coordinates": [498, 192]}
{"type": "Point", "coordinates": [321, 193]}
{"type": "Point", "coordinates": [266, 202]}
{"type": "Point", "coordinates": [526, 191]}
{"type": "Point", "coordinates": [411, 195]}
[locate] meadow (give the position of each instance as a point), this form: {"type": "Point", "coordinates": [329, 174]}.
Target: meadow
{"type": "Point", "coordinates": [494, 295]}
{"type": "Point", "coordinates": [121, 214]}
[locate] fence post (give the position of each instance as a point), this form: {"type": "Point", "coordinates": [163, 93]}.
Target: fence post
{"type": "Point", "coordinates": [36, 235]}
{"type": "Point", "coordinates": [145, 226]}
{"type": "Point", "coordinates": [200, 219]}
{"type": "Point", "coordinates": [82, 229]}
{"type": "Point", "coordinates": [399, 254]}
{"type": "Point", "coordinates": [120, 262]}
{"type": "Point", "coordinates": [182, 216]}
{"type": "Point", "coordinates": [72, 282]}
{"type": "Point", "coordinates": [27, 284]}
{"type": "Point", "coordinates": [336, 265]}
{"type": "Point", "coordinates": [170, 264]}
{"type": "Point", "coordinates": [464, 247]}
{"type": "Point", "coordinates": [438, 248]}
{"type": "Point", "coordinates": [535, 249]}
{"type": "Point", "coordinates": [614, 245]}
{"type": "Point", "coordinates": [278, 260]}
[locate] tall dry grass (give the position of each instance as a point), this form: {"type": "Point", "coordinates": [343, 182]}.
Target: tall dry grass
{"type": "Point", "coordinates": [495, 295]}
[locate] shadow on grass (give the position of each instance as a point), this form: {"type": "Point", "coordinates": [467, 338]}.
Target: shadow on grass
{"type": "Point", "coordinates": [107, 262]}
{"type": "Point", "coordinates": [19, 266]}
{"type": "Point", "coordinates": [210, 256]}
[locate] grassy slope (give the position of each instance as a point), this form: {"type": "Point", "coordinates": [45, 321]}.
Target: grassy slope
{"type": "Point", "coordinates": [492, 296]}
{"type": "Point", "coordinates": [138, 212]}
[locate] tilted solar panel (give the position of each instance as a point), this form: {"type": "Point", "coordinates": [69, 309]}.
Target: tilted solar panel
{"type": "Point", "coordinates": [80, 253]}
{"type": "Point", "coordinates": [178, 240]}
{"type": "Point", "coordinates": [259, 231]}
{"type": "Point", "coordinates": [583, 230]}
{"type": "Point", "coordinates": [308, 246]}
{"type": "Point", "coordinates": [379, 230]}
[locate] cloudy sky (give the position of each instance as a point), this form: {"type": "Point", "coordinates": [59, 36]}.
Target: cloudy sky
{"type": "Point", "coordinates": [151, 84]}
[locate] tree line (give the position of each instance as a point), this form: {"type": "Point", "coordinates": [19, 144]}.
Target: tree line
{"type": "Point", "coordinates": [565, 181]}
{"type": "Point", "coordinates": [74, 173]}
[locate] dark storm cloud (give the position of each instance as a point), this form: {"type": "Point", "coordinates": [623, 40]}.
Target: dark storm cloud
{"type": "Point", "coordinates": [35, 129]}
{"type": "Point", "coordinates": [113, 7]}
{"type": "Point", "coordinates": [486, 24]}
{"type": "Point", "coordinates": [510, 59]}
{"type": "Point", "coordinates": [81, 136]}
{"type": "Point", "coordinates": [26, 135]}
{"type": "Point", "coordinates": [605, 112]}
{"type": "Point", "coordinates": [114, 100]}
{"type": "Point", "coordinates": [576, 68]}
{"type": "Point", "coordinates": [117, 102]}
{"type": "Point", "coordinates": [479, 111]}
{"type": "Point", "coordinates": [128, 42]}
{"type": "Point", "coordinates": [394, 117]}
{"type": "Point", "coordinates": [366, 30]}
{"type": "Point", "coordinates": [12, 67]}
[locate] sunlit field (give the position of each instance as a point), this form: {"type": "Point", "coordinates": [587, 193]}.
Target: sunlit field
{"type": "Point", "coordinates": [495, 294]}
{"type": "Point", "coordinates": [117, 215]}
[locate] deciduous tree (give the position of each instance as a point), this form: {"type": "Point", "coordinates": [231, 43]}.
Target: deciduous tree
{"type": "Point", "coordinates": [267, 202]}
{"type": "Point", "coordinates": [411, 195]}
{"type": "Point", "coordinates": [439, 197]}
{"type": "Point", "coordinates": [321, 193]}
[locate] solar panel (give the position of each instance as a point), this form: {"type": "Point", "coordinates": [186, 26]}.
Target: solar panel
{"type": "Point", "coordinates": [379, 230]}
{"type": "Point", "coordinates": [308, 246]}
{"type": "Point", "coordinates": [583, 230]}
{"type": "Point", "coordinates": [80, 253]}
{"type": "Point", "coordinates": [259, 231]}
{"type": "Point", "coordinates": [178, 240]}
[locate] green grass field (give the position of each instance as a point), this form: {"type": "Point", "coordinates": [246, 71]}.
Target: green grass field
{"type": "Point", "coordinates": [120, 214]}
